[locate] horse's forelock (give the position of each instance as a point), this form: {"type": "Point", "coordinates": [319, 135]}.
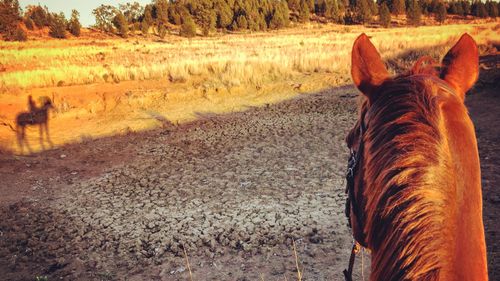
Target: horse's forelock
{"type": "Point", "coordinates": [425, 65]}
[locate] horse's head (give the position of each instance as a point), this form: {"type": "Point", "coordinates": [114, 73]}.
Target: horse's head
{"type": "Point", "coordinates": [46, 102]}
{"type": "Point", "coordinates": [458, 72]}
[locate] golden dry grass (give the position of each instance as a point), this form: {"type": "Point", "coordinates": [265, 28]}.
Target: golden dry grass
{"type": "Point", "coordinates": [111, 86]}
{"type": "Point", "coordinates": [253, 59]}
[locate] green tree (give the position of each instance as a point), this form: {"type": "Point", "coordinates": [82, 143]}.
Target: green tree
{"type": "Point", "coordinates": [29, 23]}
{"type": "Point", "coordinates": [121, 24]}
{"type": "Point", "coordinates": [57, 28]}
{"type": "Point", "coordinates": [241, 22]}
{"type": "Point", "coordinates": [373, 7]}
{"type": "Point", "coordinates": [321, 7]}
{"type": "Point", "coordinates": [175, 13]}
{"type": "Point", "coordinates": [414, 13]}
{"type": "Point", "coordinates": [458, 9]}
{"type": "Point", "coordinates": [204, 15]}
{"type": "Point", "coordinates": [39, 15]}
{"type": "Point", "coordinates": [398, 7]}
{"type": "Point", "coordinates": [104, 16]}
{"type": "Point", "coordinates": [384, 15]}
{"type": "Point", "coordinates": [18, 35]}
{"type": "Point", "coordinates": [162, 31]}
{"type": "Point", "coordinates": [440, 13]}
{"type": "Point", "coordinates": [224, 14]}
{"type": "Point", "coordinates": [161, 7]}
{"type": "Point", "coordinates": [148, 15]}
{"type": "Point", "coordinates": [335, 11]}
{"type": "Point", "coordinates": [280, 18]}
{"type": "Point", "coordinates": [132, 11]}
{"type": "Point", "coordinates": [311, 5]}
{"type": "Point", "coordinates": [144, 27]}
{"type": "Point", "coordinates": [294, 5]}
{"type": "Point", "coordinates": [264, 20]}
{"type": "Point", "coordinates": [304, 11]}
{"type": "Point", "coordinates": [479, 10]}
{"type": "Point", "coordinates": [188, 27]}
{"type": "Point", "coordinates": [433, 6]}
{"type": "Point", "coordinates": [362, 11]}
{"type": "Point", "coordinates": [74, 25]}
{"type": "Point", "coordinates": [492, 9]}
{"type": "Point", "coordinates": [466, 7]}
{"type": "Point", "coordinates": [424, 4]}
{"type": "Point", "coordinates": [9, 16]}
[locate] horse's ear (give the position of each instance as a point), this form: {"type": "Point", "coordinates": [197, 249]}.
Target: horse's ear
{"type": "Point", "coordinates": [367, 69]}
{"type": "Point", "coordinates": [461, 65]}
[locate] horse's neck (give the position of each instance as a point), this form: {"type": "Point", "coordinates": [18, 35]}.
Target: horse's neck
{"type": "Point", "coordinates": [41, 111]}
{"type": "Point", "coordinates": [467, 246]}
{"type": "Point", "coordinates": [451, 240]}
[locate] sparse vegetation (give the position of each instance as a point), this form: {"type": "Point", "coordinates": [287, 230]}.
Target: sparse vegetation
{"type": "Point", "coordinates": [398, 7]}
{"type": "Point", "coordinates": [441, 12]}
{"type": "Point", "coordinates": [121, 24]}
{"type": "Point", "coordinates": [251, 59]}
{"type": "Point", "coordinates": [188, 27]}
{"type": "Point", "coordinates": [492, 8]}
{"type": "Point", "coordinates": [28, 22]}
{"type": "Point", "coordinates": [40, 16]}
{"type": "Point", "coordinates": [104, 16]}
{"type": "Point", "coordinates": [74, 25]}
{"type": "Point", "coordinates": [414, 13]}
{"type": "Point", "coordinates": [18, 35]}
{"type": "Point", "coordinates": [363, 12]}
{"type": "Point", "coordinates": [304, 12]}
{"type": "Point", "coordinates": [479, 9]}
{"type": "Point", "coordinates": [162, 31]}
{"type": "Point", "coordinates": [144, 27]}
{"type": "Point", "coordinates": [9, 17]}
{"type": "Point", "coordinates": [58, 26]}
{"type": "Point", "coordinates": [384, 15]}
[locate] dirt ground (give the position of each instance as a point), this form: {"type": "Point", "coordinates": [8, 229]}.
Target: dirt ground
{"type": "Point", "coordinates": [233, 190]}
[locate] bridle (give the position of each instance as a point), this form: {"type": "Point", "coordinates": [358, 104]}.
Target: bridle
{"type": "Point", "coordinates": [351, 202]}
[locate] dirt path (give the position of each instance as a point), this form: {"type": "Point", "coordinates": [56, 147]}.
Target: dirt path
{"type": "Point", "coordinates": [233, 190]}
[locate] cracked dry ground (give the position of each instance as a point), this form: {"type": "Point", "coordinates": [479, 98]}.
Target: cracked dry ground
{"type": "Point", "coordinates": [233, 190]}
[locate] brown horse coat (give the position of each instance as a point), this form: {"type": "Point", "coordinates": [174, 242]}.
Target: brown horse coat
{"type": "Point", "coordinates": [418, 183]}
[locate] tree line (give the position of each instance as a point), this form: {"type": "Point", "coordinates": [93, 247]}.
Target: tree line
{"type": "Point", "coordinates": [35, 16]}
{"type": "Point", "coordinates": [208, 16]}
{"type": "Point", "coordinates": [261, 15]}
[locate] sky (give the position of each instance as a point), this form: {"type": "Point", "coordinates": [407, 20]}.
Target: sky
{"type": "Point", "coordinates": [84, 7]}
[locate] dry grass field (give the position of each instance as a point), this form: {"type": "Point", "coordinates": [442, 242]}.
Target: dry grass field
{"type": "Point", "coordinates": [134, 84]}
{"type": "Point", "coordinates": [227, 152]}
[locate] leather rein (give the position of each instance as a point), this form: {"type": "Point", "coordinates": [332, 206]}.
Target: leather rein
{"type": "Point", "coordinates": [351, 202]}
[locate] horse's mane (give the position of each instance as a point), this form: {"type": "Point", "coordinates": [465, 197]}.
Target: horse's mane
{"type": "Point", "coordinates": [404, 211]}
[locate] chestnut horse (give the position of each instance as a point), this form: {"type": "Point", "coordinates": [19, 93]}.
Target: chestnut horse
{"type": "Point", "coordinates": [415, 196]}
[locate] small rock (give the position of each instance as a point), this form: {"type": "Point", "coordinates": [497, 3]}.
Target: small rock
{"type": "Point", "coordinates": [63, 156]}
{"type": "Point", "coordinates": [178, 270]}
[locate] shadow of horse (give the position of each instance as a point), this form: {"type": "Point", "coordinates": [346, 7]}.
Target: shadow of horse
{"type": "Point", "coordinates": [36, 116]}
